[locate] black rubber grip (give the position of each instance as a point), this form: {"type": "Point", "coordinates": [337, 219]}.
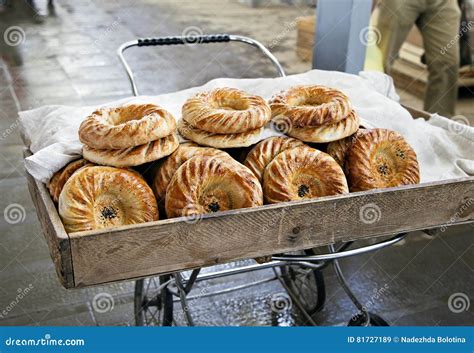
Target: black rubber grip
{"type": "Point", "coordinates": [212, 38]}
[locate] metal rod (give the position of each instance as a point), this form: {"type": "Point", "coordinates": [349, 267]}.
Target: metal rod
{"type": "Point", "coordinates": [183, 300]}
{"type": "Point", "coordinates": [238, 270]}
{"type": "Point", "coordinates": [338, 255]}
{"type": "Point", "coordinates": [231, 289]}
{"type": "Point", "coordinates": [345, 286]}
{"type": "Point", "coordinates": [120, 52]}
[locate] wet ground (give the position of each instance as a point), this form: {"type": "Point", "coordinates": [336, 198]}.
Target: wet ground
{"type": "Point", "coordinates": [66, 55]}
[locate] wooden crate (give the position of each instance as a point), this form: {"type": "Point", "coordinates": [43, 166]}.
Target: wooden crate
{"type": "Point", "coordinates": [130, 252]}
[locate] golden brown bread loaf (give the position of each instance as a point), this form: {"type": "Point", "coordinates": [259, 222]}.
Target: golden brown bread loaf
{"type": "Point", "coordinates": [264, 152]}
{"type": "Point", "coordinates": [211, 139]}
{"type": "Point", "coordinates": [103, 197]}
{"type": "Point", "coordinates": [302, 173]}
{"type": "Point", "coordinates": [163, 174]}
{"type": "Point", "coordinates": [327, 133]}
{"type": "Point", "coordinates": [59, 178]}
{"type": "Point", "coordinates": [206, 184]}
{"type": "Point", "coordinates": [381, 158]}
{"type": "Point", "coordinates": [133, 156]}
{"type": "Point", "coordinates": [311, 105]}
{"type": "Point", "coordinates": [226, 111]}
{"type": "Point", "coordinates": [339, 149]}
{"type": "Point", "coordinates": [126, 126]}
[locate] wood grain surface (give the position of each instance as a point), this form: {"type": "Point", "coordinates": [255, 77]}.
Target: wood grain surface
{"type": "Point", "coordinates": [53, 229]}
{"type": "Point", "coordinates": [178, 244]}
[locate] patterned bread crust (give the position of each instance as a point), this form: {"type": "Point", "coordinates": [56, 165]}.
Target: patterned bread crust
{"type": "Point", "coordinates": [133, 156]}
{"type": "Point", "coordinates": [302, 173]}
{"type": "Point", "coordinates": [327, 133]}
{"type": "Point", "coordinates": [127, 126]}
{"type": "Point", "coordinates": [59, 178]}
{"type": "Point", "coordinates": [103, 197]}
{"type": "Point", "coordinates": [311, 105]}
{"type": "Point", "coordinates": [339, 149]}
{"type": "Point", "coordinates": [206, 184]}
{"type": "Point", "coordinates": [226, 111]}
{"type": "Point", "coordinates": [210, 139]}
{"type": "Point", "coordinates": [163, 174]}
{"type": "Point", "coordinates": [264, 152]}
{"type": "Point", "coordinates": [381, 158]}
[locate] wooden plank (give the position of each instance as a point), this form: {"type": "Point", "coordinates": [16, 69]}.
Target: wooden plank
{"type": "Point", "coordinates": [53, 230]}
{"type": "Point", "coordinates": [171, 245]}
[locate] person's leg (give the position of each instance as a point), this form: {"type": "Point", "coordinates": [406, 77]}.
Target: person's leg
{"type": "Point", "coordinates": [439, 26]}
{"type": "Point", "coordinates": [395, 20]}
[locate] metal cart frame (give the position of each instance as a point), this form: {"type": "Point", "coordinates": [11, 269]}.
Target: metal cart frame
{"type": "Point", "coordinates": [178, 285]}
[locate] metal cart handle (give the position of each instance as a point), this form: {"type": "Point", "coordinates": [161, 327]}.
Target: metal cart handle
{"type": "Point", "coordinates": [191, 40]}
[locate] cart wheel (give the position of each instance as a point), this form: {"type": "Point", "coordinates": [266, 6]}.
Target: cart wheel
{"type": "Point", "coordinates": [153, 307]}
{"type": "Point", "coordinates": [375, 320]}
{"type": "Point", "coordinates": [307, 285]}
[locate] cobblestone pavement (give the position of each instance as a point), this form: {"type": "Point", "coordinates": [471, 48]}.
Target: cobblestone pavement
{"type": "Point", "coordinates": [66, 55]}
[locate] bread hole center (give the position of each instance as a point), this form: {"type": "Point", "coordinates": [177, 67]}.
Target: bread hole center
{"type": "Point", "coordinates": [385, 163]}
{"type": "Point", "coordinates": [303, 190]}
{"type": "Point", "coordinates": [123, 116]}
{"type": "Point", "coordinates": [308, 186]}
{"type": "Point", "coordinates": [108, 212]}
{"type": "Point", "coordinates": [213, 207]}
{"type": "Point", "coordinates": [232, 104]}
{"type": "Point", "coordinates": [215, 198]}
{"type": "Point", "coordinates": [308, 101]}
